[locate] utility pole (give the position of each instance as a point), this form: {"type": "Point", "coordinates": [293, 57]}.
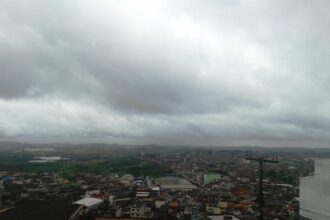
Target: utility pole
{"type": "Point", "coordinates": [261, 161]}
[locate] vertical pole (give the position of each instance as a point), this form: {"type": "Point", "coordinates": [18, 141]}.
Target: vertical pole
{"type": "Point", "coordinates": [261, 161]}
{"type": "Point", "coordinates": [260, 199]}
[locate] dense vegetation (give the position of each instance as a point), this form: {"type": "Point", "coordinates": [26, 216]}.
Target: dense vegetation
{"type": "Point", "coordinates": [120, 165]}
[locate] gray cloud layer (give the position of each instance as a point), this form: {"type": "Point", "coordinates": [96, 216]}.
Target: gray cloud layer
{"type": "Point", "coordinates": [168, 72]}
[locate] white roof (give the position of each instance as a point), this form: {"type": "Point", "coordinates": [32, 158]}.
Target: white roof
{"type": "Point", "coordinates": [89, 202]}
{"type": "Point", "coordinates": [142, 194]}
{"type": "Point", "coordinates": [222, 217]}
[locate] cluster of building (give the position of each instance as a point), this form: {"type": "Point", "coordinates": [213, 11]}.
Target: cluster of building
{"type": "Point", "coordinates": [204, 186]}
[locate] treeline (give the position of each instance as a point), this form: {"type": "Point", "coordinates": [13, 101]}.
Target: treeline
{"type": "Point", "coordinates": [120, 166]}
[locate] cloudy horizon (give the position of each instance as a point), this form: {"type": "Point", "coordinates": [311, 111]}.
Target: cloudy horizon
{"type": "Point", "coordinates": [224, 73]}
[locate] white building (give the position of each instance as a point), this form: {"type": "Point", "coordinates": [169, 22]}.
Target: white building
{"type": "Point", "coordinates": [127, 179]}
{"type": "Point", "coordinates": [138, 211]}
{"type": "Point", "coordinates": [1, 191]}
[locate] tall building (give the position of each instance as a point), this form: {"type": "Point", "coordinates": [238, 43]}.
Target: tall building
{"type": "Point", "coordinates": [1, 191]}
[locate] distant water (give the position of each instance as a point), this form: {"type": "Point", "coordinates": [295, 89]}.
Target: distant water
{"type": "Point", "coordinates": [315, 192]}
{"type": "Point", "coordinates": [46, 159]}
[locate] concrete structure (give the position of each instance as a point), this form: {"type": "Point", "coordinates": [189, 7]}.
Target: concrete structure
{"type": "Point", "coordinates": [127, 179]}
{"type": "Point", "coordinates": [213, 209]}
{"type": "Point", "coordinates": [174, 184]}
{"type": "Point", "coordinates": [160, 202]}
{"type": "Point", "coordinates": [138, 211]}
{"type": "Point", "coordinates": [89, 202]}
{"type": "Point", "coordinates": [1, 191]}
{"type": "Point", "coordinates": [141, 194]}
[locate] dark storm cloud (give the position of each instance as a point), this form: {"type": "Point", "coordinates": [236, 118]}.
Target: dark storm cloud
{"type": "Point", "coordinates": [229, 72]}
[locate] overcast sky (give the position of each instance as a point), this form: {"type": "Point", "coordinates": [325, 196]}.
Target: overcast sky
{"type": "Point", "coordinates": [216, 72]}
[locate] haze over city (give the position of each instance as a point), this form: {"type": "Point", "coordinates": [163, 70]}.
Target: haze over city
{"type": "Point", "coordinates": [225, 73]}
